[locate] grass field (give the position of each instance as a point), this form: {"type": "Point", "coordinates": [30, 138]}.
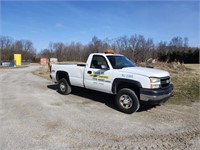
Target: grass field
{"type": "Point", "coordinates": [186, 80]}
{"type": "Point", "coordinates": [194, 67]}
{"type": "Point", "coordinates": [186, 88]}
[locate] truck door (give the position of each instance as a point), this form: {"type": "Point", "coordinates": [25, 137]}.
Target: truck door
{"type": "Point", "coordinates": [98, 75]}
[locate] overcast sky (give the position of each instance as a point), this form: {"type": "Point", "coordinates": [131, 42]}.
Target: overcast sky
{"type": "Point", "coordinates": [66, 21]}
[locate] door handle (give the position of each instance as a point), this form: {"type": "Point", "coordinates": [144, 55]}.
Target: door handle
{"type": "Point", "coordinates": [89, 72]}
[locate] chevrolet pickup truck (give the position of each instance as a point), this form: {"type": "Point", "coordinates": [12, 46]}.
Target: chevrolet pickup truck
{"type": "Point", "coordinates": [115, 74]}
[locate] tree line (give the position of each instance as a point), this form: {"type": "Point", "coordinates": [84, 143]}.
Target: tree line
{"type": "Point", "coordinates": [135, 47]}
{"type": "Point", "coordinates": [9, 47]}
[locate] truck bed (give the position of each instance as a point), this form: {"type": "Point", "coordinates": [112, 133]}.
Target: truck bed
{"type": "Point", "coordinates": [75, 72]}
{"type": "Point", "coordinates": [68, 63]}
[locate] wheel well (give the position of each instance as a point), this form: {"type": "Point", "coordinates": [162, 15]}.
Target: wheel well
{"type": "Point", "coordinates": [61, 75]}
{"type": "Point", "coordinates": [131, 86]}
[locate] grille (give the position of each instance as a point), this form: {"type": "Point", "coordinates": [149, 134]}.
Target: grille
{"type": "Point", "coordinates": [165, 81]}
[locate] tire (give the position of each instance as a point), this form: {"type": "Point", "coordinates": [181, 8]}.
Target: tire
{"type": "Point", "coordinates": [127, 101]}
{"type": "Point", "coordinates": [64, 87]}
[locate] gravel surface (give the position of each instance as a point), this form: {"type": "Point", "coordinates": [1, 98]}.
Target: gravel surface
{"type": "Point", "coordinates": [34, 116]}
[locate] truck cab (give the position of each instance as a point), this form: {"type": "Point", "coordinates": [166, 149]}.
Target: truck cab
{"type": "Point", "coordinates": [116, 74]}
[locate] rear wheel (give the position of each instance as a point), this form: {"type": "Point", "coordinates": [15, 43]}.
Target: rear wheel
{"type": "Point", "coordinates": [64, 87]}
{"type": "Point", "coordinates": [127, 101]}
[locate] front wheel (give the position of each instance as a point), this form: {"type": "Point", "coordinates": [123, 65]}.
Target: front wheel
{"type": "Point", "coordinates": [127, 101]}
{"type": "Point", "coordinates": [64, 87]}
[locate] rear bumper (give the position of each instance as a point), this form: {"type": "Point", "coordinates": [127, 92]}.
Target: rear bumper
{"type": "Point", "coordinates": [156, 96]}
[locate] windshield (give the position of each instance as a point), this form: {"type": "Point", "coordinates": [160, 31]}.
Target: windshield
{"type": "Point", "coordinates": [119, 62]}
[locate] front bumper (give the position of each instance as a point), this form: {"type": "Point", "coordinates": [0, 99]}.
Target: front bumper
{"type": "Point", "coordinates": [156, 95]}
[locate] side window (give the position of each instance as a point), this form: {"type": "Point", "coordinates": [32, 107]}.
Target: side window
{"type": "Point", "coordinates": [97, 61]}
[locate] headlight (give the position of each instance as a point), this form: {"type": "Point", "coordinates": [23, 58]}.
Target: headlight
{"type": "Point", "coordinates": [155, 83]}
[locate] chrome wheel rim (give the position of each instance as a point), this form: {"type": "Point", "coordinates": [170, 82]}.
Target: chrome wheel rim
{"type": "Point", "coordinates": [62, 87]}
{"type": "Point", "coordinates": [126, 101]}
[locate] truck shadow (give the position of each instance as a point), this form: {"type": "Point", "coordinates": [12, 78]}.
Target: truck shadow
{"type": "Point", "coordinates": [107, 99]}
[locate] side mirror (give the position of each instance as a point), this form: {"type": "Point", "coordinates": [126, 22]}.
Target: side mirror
{"type": "Point", "coordinates": [104, 67]}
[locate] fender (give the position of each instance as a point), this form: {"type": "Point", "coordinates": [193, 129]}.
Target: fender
{"type": "Point", "coordinates": [63, 74]}
{"type": "Point", "coordinates": [118, 81]}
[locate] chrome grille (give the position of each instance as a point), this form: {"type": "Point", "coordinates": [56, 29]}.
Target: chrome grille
{"type": "Point", "coordinates": [165, 81]}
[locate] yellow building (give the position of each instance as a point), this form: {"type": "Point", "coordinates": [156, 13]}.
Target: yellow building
{"type": "Point", "coordinates": [18, 59]}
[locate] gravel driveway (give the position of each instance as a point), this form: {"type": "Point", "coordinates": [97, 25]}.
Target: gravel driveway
{"type": "Point", "coordinates": [34, 116]}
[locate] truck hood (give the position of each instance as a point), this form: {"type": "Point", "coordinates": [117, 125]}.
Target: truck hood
{"type": "Point", "coordinates": [149, 72]}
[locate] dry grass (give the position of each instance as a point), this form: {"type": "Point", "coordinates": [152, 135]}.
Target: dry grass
{"type": "Point", "coordinates": [171, 67]}
{"type": "Point", "coordinates": [186, 88]}
{"type": "Point", "coordinates": [43, 72]}
{"type": "Point", "coordinates": [194, 67]}
{"type": "Point", "coordinates": [185, 78]}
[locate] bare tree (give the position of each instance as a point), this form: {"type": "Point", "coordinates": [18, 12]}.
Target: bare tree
{"type": "Point", "coordinates": [5, 46]}
{"type": "Point", "coordinates": [51, 48]}
{"type": "Point", "coordinates": [135, 47]}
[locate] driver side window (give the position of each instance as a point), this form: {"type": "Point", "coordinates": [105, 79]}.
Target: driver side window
{"type": "Point", "coordinates": [97, 61]}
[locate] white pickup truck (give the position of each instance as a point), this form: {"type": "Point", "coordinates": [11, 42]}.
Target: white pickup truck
{"type": "Point", "coordinates": [115, 74]}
